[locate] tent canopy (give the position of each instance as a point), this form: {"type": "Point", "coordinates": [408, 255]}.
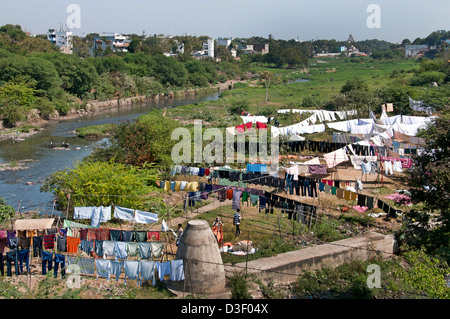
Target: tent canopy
{"type": "Point", "coordinates": [32, 224]}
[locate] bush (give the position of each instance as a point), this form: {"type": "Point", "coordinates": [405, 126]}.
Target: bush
{"type": "Point", "coordinates": [62, 107]}
{"type": "Point", "coordinates": [310, 101]}
{"type": "Point", "coordinates": [197, 79]}
{"type": "Point", "coordinates": [426, 275]}
{"type": "Point", "coordinates": [239, 286]}
{"type": "Point", "coordinates": [238, 107]}
{"type": "Point", "coordinates": [91, 184]}
{"type": "Point", "coordinates": [426, 78]}
{"type": "Point", "coordinates": [6, 211]}
{"type": "Point", "coordinates": [45, 108]}
{"type": "Point", "coordinates": [326, 231]}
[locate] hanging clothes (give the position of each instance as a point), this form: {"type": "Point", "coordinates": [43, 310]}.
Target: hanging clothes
{"type": "Point", "coordinates": [163, 269]}
{"type": "Point", "coordinates": [131, 269]}
{"type": "Point", "coordinates": [121, 250]}
{"type": "Point", "coordinates": [72, 244]}
{"type": "Point", "coordinates": [145, 250]}
{"type": "Point", "coordinates": [47, 262]}
{"type": "Point", "coordinates": [388, 168]}
{"type": "Point", "coordinates": [59, 261]}
{"type": "Point", "coordinates": [152, 234]}
{"type": "Point", "coordinates": [361, 200]}
{"type": "Point", "coordinates": [157, 249]}
{"type": "Point", "coordinates": [116, 269]}
{"type": "Point", "coordinates": [229, 193]}
{"type": "Point", "coordinates": [236, 199]}
{"type": "Point", "coordinates": [103, 267]}
{"type": "Point", "coordinates": [147, 270]}
{"type": "Point", "coordinates": [123, 213]}
{"type": "Point", "coordinates": [176, 270]}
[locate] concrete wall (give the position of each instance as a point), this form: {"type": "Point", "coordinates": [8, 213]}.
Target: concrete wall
{"type": "Point", "coordinates": [284, 268]}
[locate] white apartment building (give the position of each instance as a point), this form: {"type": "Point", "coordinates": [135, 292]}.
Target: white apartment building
{"type": "Point", "coordinates": [62, 39]}
{"type": "Point", "coordinates": [115, 41]}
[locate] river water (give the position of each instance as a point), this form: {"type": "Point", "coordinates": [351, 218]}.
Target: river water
{"type": "Point", "coordinates": [21, 188]}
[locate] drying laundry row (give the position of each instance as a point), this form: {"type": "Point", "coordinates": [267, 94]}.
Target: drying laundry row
{"type": "Point", "coordinates": [140, 270]}
{"type": "Point", "coordinates": [84, 238]}
{"type": "Point", "coordinates": [109, 249]}
{"type": "Point", "coordinates": [360, 199]}
{"type": "Point", "coordinates": [102, 214]}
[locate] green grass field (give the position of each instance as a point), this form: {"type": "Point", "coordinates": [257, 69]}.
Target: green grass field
{"type": "Point", "coordinates": [325, 79]}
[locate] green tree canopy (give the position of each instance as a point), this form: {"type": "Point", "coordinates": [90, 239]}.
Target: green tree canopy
{"type": "Point", "coordinates": [102, 184]}
{"type": "Point", "coordinates": [429, 185]}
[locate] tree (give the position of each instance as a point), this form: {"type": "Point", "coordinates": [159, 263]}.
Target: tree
{"type": "Point", "coordinates": [355, 84]}
{"type": "Point", "coordinates": [358, 96]}
{"type": "Point", "coordinates": [135, 45]}
{"type": "Point", "coordinates": [267, 76]}
{"type": "Point", "coordinates": [222, 52]}
{"type": "Point", "coordinates": [6, 211]}
{"type": "Point", "coordinates": [103, 183]}
{"type": "Point", "coordinates": [15, 98]}
{"type": "Point", "coordinates": [81, 46]}
{"type": "Point", "coordinates": [169, 71]}
{"type": "Point", "coordinates": [406, 41]}
{"type": "Point", "coordinates": [429, 185]}
{"type": "Point", "coordinates": [14, 32]}
{"type": "Point", "coordinates": [36, 45]}
{"type": "Point", "coordinates": [145, 140]}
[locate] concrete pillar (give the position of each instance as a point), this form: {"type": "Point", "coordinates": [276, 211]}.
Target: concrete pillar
{"type": "Point", "coordinates": [203, 265]}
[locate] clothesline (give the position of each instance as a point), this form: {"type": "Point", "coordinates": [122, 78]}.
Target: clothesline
{"type": "Point", "coordinates": [102, 214]}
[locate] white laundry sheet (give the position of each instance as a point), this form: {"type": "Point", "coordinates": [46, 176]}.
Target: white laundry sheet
{"type": "Point", "coordinates": [254, 119]}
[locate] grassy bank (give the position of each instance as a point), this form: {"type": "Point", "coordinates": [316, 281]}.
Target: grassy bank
{"type": "Point", "coordinates": [325, 79]}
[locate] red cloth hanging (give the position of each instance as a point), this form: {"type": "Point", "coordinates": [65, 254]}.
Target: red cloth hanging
{"type": "Point", "coordinates": [260, 125]}
{"type": "Point", "coordinates": [240, 128]}
{"type": "Point", "coordinates": [150, 234]}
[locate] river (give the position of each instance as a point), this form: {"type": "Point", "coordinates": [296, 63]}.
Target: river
{"type": "Point", "coordinates": [21, 188]}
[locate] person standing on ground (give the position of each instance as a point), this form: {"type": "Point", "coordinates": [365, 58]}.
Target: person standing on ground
{"type": "Point", "coordinates": [237, 222]}
{"type": "Point", "coordinates": [217, 223]}
{"type": "Point", "coordinates": [179, 233]}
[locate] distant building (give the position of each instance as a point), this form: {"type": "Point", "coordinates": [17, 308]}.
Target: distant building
{"type": "Point", "coordinates": [225, 42]}
{"type": "Point", "coordinates": [117, 42]}
{"type": "Point", "coordinates": [208, 48]}
{"type": "Point", "coordinates": [62, 39]}
{"type": "Point", "coordinates": [351, 38]}
{"type": "Point", "coordinates": [254, 48]}
{"type": "Point", "coordinates": [326, 55]}
{"type": "Point", "coordinates": [415, 50]}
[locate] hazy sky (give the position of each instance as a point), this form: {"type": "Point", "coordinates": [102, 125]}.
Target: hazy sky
{"type": "Point", "coordinates": [284, 19]}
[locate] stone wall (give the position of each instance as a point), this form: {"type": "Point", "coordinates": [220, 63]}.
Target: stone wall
{"type": "Point", "coordinates": [284, 268]}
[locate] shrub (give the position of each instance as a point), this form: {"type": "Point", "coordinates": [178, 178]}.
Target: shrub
{"type": "Point", "coordinates": [45, 108]}
{"type": "Point", "coordinates": [238, 107]}
{"type": "Point", "coordinates": [239, 286]}
{"type": "Point", "coordinates": [6, 211]}
{"type": "Point", "coordinates": [92, 183]}
{"type": "Point", "coordinates": [426, 78]}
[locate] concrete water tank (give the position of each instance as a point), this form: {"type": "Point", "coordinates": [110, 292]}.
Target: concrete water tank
{"type": "Point", "coordinates": [203, 265]}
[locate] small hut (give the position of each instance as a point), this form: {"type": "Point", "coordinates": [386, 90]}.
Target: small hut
{"type": "Point", "coordinates": [203, 265]}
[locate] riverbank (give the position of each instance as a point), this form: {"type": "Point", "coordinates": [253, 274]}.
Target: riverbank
{"type": "Point", "coordinates": [34, 124]}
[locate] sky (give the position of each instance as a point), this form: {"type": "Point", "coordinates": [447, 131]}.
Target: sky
{"type": "Point", "coordinates": [392, 20]}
